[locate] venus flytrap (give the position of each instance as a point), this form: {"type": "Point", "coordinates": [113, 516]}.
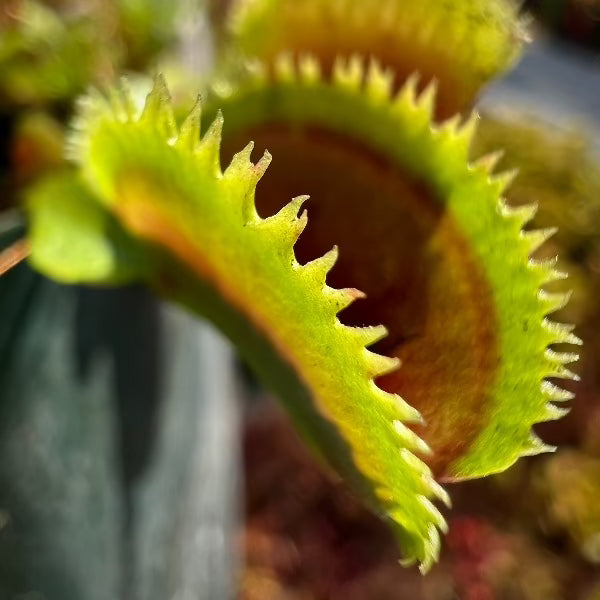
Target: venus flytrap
{"type": "Point", "coordinates": [469, 260]}
{"type": "Point", "coordinates": [212, 252]}
{"type": "Point", "coordinates": [460, 43]}
{"type": "Point", "coordinates": [397, 212]}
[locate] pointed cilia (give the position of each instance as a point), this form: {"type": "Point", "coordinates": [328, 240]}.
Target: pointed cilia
{"type": "Point", "coordinates": [445, 263]}
{"type": "Point", "coordinates": [461, 43]}
{"type": "Point", "coordinates": [208, 249]}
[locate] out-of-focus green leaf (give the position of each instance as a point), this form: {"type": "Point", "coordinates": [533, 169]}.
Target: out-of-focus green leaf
{"type": "Point", "coordinates": [74, 239]}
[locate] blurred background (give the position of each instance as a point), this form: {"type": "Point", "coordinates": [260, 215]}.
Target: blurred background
{"type": "Point", "coordinates": [139, 459]}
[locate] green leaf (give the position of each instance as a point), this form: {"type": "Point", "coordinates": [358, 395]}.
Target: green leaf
{"type": "Point", "coordinates": [75, 240]}
{"type": "Point", "coordinates": [44, 55]}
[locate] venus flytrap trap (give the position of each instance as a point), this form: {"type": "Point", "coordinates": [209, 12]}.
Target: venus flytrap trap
{"type": "Point", "coordinates": [461, 43]}
{"type": "Point", "coordinates": [469, 254]}
{"type": "Point", "coordinates": [212, 252]}
{"type": "Point", "coordinates": [397, 212]}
